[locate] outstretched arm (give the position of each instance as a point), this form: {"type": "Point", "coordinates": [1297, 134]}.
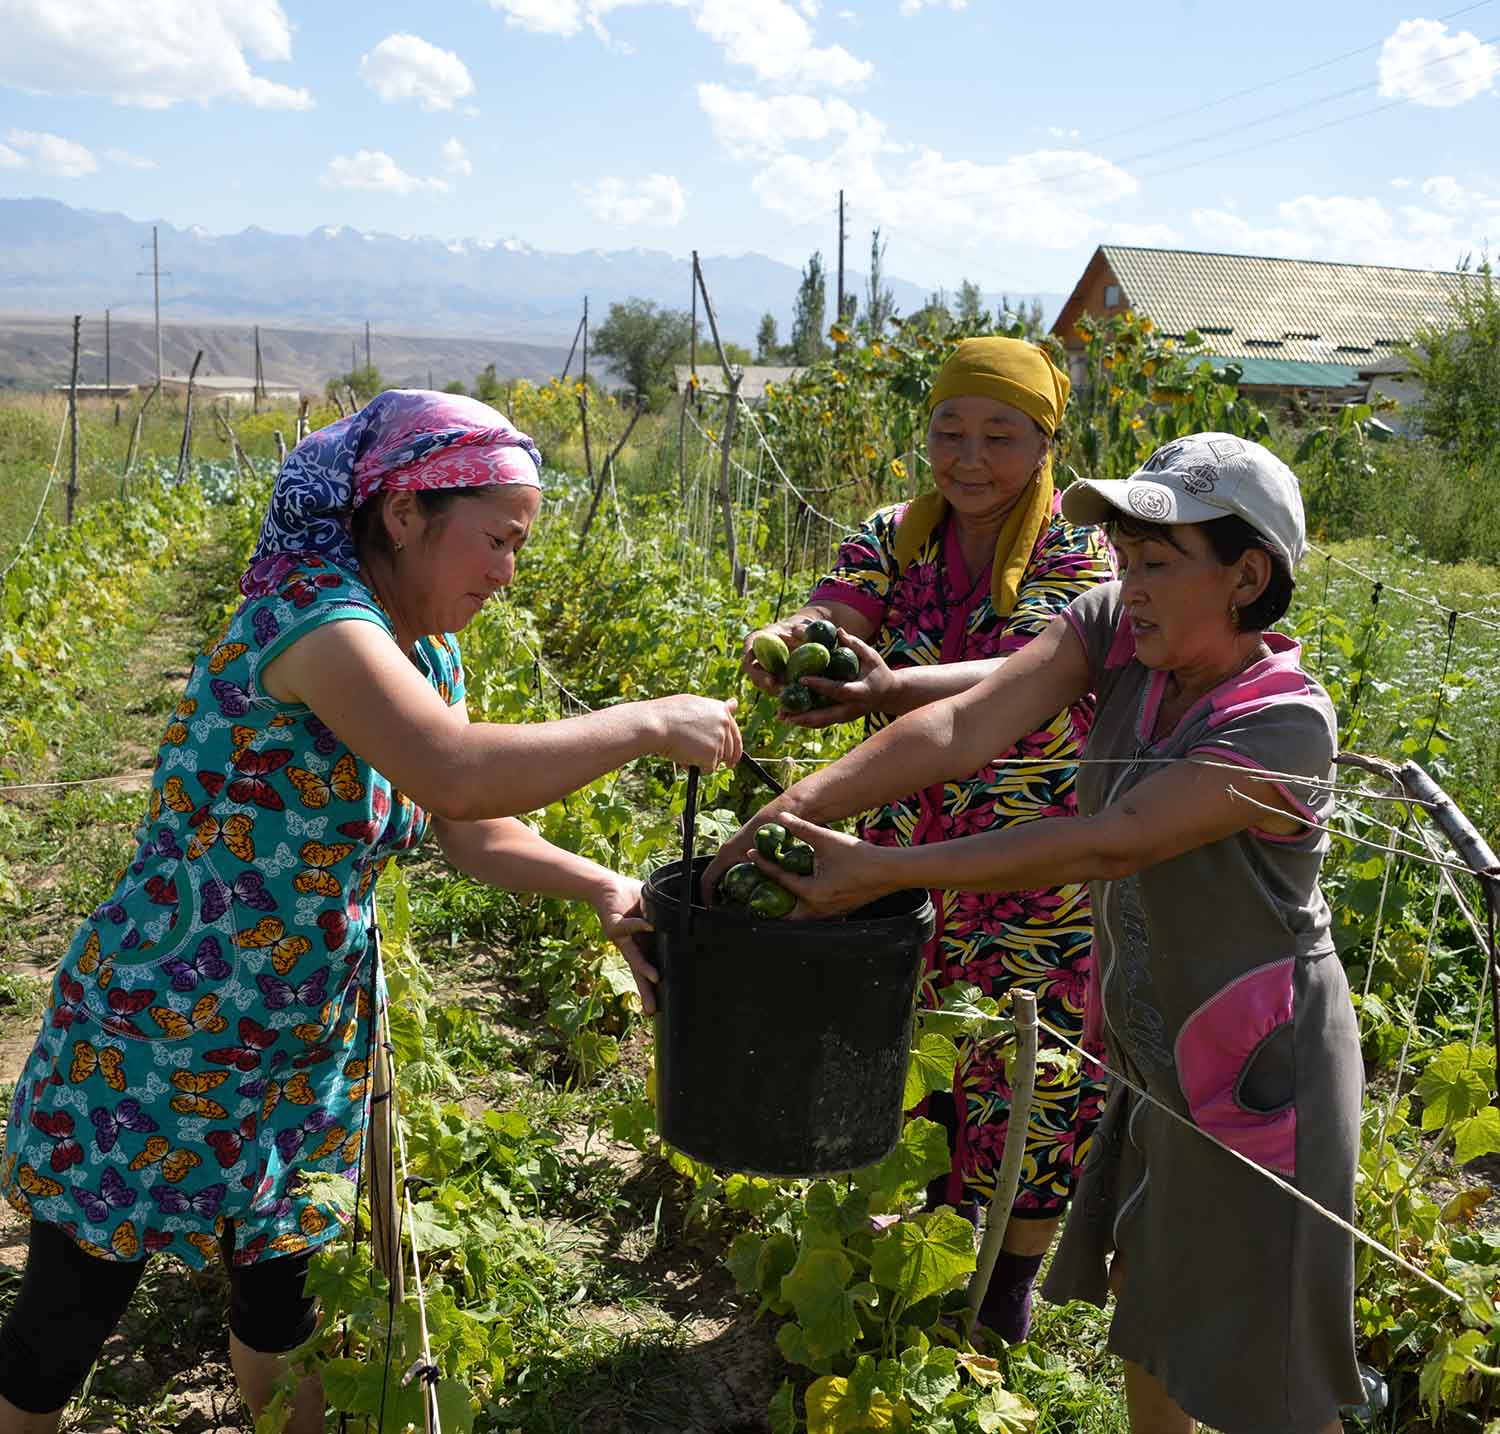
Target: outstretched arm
{"type": "Point", "coordinates": [363, 687]}
{"type": "Point", "coordinates": [943, 741]}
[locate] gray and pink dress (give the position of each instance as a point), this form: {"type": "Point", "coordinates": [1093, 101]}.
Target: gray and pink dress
{"type": "Point", "coordinates": [1220, 993]}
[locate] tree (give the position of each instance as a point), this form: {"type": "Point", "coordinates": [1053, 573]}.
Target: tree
{"type": "Point", "coordinates": [971, 309]}
{"type": "Point", "coordinates": [487, 386]}
{"type": "Point", "coordinates": [364, 380]}
{"type": "Point", "coordinates": [1021, 319]}
{"type": "Point", "coordinates": [767, 341]}
{"type": "Point", "coordinates": [455, 385]}
{"type": "Point", "coordinates": [933, 317]}
{"type": "Point", "coordinates": [880, 302]}
{"type": "Point", "coordinates": [808, 317]}
{"type": "Point", "coordinates": [643, 340]}
{"type": "Point", "coordinates": [1459, 365]}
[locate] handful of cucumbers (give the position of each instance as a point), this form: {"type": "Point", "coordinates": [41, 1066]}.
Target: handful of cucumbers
{"type": "Point", "coordinates": [746, 886]}
{"type": "Point", "coordinates": [818, 654]}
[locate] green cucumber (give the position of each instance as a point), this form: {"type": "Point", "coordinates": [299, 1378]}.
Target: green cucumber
{"type": "Point", "coordinates": [770, 651]}
{"type": "Point", "coordinates": [770, 839]}
{"type": "Point", "coordinates": [807, 661]}
{"type": "Point", "coordinates": [821, 631]}
{"type": "Point", "coordinates": [843, 665]}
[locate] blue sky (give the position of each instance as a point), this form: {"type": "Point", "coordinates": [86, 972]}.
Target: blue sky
{"type": "Point", "coordinates": [988, 140]}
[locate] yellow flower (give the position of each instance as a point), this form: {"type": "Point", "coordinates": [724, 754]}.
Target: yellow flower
{"type": "Point", "coordinates": [1109, 360]}
{"type": "Point", "coordinates": [1137, 423]}
{"type": "Point", "coordinates": [710, 434]}
{"type": "Point", "coordinates": [770, 390]}
{"type": "Point", "coordinates": [693, 382]}
{"type": "Point", "coordinates": [1149, 367]}
{"type": "Point", "coordinates": [838, 335]}
{"type": "Point", "coordinates": [1147, 326]}
{"type": "Point", "coordinates": [1169, 343]}
{"type": "Point", "coordinates": [868, 451]}
{"type": "Point", "coordinates": [838, 376]}
{"type": "Point", "coordinates": [898, 468]}
{"type": "Point", "coordinates": [827, 415]}
{"type": "Point", "coordinates": [1114, 392]}
{"type": "Point", "coordinates": [877, 350]}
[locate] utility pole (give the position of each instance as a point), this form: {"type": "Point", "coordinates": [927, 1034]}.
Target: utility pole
{"type": "Point", "coordinates": [353, 356]}
{"type": "Point", "coordinates": [260, 373]}
{"type": "Point", "coordinates": [585, 343]}
{"type": "Point", "coordinates": [839, 312]}
{"type": "Point", "coordinates": [107, 384]}
{"type": "Point", "coordinates": [367, 346]}
{"type": "Point", "coordinates": [156, 295]}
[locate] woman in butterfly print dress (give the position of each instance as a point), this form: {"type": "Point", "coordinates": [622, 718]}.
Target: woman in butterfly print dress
{"type": "Point", "coordinates": [207, 1036]}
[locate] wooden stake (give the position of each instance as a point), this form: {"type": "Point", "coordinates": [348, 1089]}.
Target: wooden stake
{"type": "Point", "coordinates": [1022, 1089]}
{"type": "Point", "coordinates": [73, 422]}
{"type": "Point", "coordinates": [280, 446]}
{"type": "Point", "coordinates": [135, 439]}
{"type": "Point", "coordinates": [185, 453]}
{"type": "Point", "coordinates": [607, 471]}
{"type": "Point", "coordinates": [732, 377]}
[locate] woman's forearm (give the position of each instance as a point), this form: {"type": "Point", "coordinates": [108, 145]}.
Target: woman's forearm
{"type": "Point", "coordinates": [505, 852]}
{"type": "Point", "coordinates": [915, 687]}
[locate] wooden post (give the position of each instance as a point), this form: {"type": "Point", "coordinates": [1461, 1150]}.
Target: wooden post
{"type": "Point", "coordinates": [1022, 1089]}
{"type": "Point", "coordinates": [135, 439]}
{"type": "Point", "coordinates": [584, 363]}
{"type": "Point", "coordinates": [280, 446]}
{"type": "Point", "coordinates": [108, 384]}
{"type": "Point", "coordinates": [732, 377]}
{"type": "Point", "coordinates": [726, 507]}
{"type": "Point", "coordinates": [839, 312]}
{"type": "Point", "coordinates": [185, 453]}
{"type": "Point", "coordinates": [607, 471]}
{"type": "Point", "coordinates": [302, 417]}
{"type": "Point", "coordinates": [260, 373]}
{"type": "Point", "coordinates": [73, 421]}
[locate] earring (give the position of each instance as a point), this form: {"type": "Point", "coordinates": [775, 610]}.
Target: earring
{"type": "Point", "coordinates": [1234, 616]}
{"type": "Point", "coordinates": [399, 545]}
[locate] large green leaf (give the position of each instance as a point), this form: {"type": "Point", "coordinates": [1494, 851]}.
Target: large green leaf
{"type": "Point", "coordinates": [1454, 1085]}
{"type": "Point", "coordinates": [920, 1155]}
{"type": "Point", "coordinates": [834, 1407]}
{"type": "Point", "coordinates": [922, 1256]}
{"type": "Point", "coordinates": [998, 1411]}
{"type": "Point", "coordinates": [1476, 1136]}
{"type": "Point", "coordinates": [931, 1375]}
{"type": "Point", "coordinates": [933, 1059]}
{"type": "Point", "coordinates": [818, 1290]}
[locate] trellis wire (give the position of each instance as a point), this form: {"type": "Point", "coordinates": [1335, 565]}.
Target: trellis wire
{"type": "Point", "coordinates": [41, 506]}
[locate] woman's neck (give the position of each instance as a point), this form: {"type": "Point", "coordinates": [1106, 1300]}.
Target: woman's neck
{"type": "Point", "coordinates": [376, 572]}
{"type": "Point", "coordinates": [1188, 682]}
{"type": "Point", "coordinates": [978, 534]}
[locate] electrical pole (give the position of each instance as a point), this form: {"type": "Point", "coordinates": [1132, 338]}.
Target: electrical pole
{"type": "Point", "coordinates": [107, 384]}
{"type": "Point", "coordinates": [367, 346]}
{"type": "Point", "coordinates": [839, 312]}
{"type": "Point", "coordinates": [260, 373]}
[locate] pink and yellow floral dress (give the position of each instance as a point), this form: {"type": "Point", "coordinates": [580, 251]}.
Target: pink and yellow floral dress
{"type": "Point", "coordinates": [935, 610]}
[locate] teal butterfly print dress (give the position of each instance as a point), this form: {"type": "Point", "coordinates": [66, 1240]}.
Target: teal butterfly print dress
{"type": "Point", "coordinates": [208, 1032]}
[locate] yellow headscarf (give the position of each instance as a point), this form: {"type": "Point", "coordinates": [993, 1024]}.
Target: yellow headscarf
{"type": "Point", "coordinates": [1022, 375]}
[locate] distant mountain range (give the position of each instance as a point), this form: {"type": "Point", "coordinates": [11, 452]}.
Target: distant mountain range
{"type": "Point", "coordinates": [56, 261]}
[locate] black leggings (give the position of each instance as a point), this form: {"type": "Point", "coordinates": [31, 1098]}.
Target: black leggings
{"type": "Point", "coordinates": [71, 1301]}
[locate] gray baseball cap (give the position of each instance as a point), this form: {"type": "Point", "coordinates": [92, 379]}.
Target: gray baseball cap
{"type": "Point", "coordinates": [1197, 478]}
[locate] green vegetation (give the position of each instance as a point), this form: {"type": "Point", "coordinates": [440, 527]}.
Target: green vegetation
{"type": "Point", "coordinates": [579, 1275]}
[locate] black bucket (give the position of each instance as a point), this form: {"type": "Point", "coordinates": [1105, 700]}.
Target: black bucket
{"type": "Point", "coordinates": [781, 1046]}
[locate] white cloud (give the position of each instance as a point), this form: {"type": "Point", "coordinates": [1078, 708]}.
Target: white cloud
{"type": "Point", "coordinates": [10, 158]}
{"type": "Point", "coordinates": [153, 53]}
{"type": "Point", "coordinates": [776, 42]}
{"type": "Point", "coordinates": [51, 154]}
{"type": "Point", "coordinates": [656, 199]}
{"type": "Point", "coordinates": [1058, 133]}
{"type": "Point", "coordinates": [770, 37]}
{"type": "Point", "coordinates": [752, 126]}
{"type": "Point", "coordinates": [1422, 62]}
{"type": "Point", "coordinates": [406, 67]}
{"type": "Point", "coordinates": [543, 17]}
{"type": "Point", "coordinates": [456, 158]}
{"type": "Point", "coordinates": [374, 169]}
{"type": "Point", "coordinates": [1018, 199]}
{"type": "Point", "coordinates": [913, 7]}
{"type": "Point", "coordinates": [1400, 184]}
{"type": "Point", "coordinates": [1355, 229]}
{"type": "Point", "coordinates": [129, 160]}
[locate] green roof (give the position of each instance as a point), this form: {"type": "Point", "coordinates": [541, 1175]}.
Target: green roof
{"type": "Point", "coordinates": [1292, 373]}
{"type": "Point", "coordinates": [1251, 307]}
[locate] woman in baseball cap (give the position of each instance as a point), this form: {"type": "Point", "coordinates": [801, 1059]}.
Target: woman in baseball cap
{"type": "Point", "coordinates": [1203, 793]}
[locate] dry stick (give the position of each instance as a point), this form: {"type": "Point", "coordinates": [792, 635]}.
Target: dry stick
{"type": "Point", "coordinates": [242, 465]}
{"type": "Point", "coordinates": [280, 446]}
{"type": "Point", "coordinates": [185, 453]}
{"type": "Point", "coordinates": [1023, 1086]}
{"type": "Point", "coordinates": [73, 423]}
{"type": "Point", "coordinates": [302, 419]}
{"type": "Point", "coordinates": [353, 399]}
{"type": "Point", "coordinates": [135, 437]}
{"type": "Point", "coordinates": [385, 1227]}
{"type": "Point", "coordinates": [606, 473]}
{"type": "Point", "coordinates": [732, 377]}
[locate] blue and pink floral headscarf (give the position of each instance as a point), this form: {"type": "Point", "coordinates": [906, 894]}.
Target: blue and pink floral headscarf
{"type": "Point", "coordinates": [403, 439]}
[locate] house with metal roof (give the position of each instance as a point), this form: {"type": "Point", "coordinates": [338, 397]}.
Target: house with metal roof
{"type": "Point", "coordinates": [754, 377]}
{"type": "Point", "coordinates": [1300, 327]}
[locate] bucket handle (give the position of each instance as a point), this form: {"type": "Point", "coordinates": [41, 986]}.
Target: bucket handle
{"type": "Point", "coordinates": [689, 842]}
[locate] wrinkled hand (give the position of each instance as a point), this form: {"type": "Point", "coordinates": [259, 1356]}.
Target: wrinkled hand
{"type": "Point", "coordinates": [733, 850]}
{"type": "Point", "coordinates": [873, 690]}
{"type": "Point", "coordinates": [847, 873]}
{"type": "Point", "coordinates": [618, 903]}
{"type": "Point", "coordinates": [698, 731]}
{"type": "Point", "coordinates": [766, 681]}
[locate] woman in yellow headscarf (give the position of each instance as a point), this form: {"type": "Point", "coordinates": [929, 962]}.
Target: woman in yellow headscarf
{"type": "Point", "coordinates": [930, 594]}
